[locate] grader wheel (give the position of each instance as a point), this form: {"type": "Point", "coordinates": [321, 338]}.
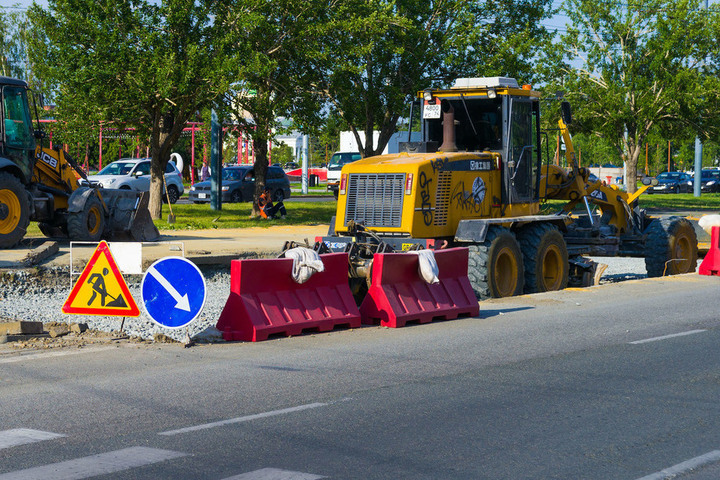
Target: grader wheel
{"type": "Point", "coordinates": [546, 258]}
{"type": "Point", "coordinates": [495, 267]}
{"type": "Point", "coordinates": [14, 210]}
{"type": "Point", "coordinates": [671, 247]}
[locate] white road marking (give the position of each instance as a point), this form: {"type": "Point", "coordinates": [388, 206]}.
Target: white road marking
{"type": "Point", "coordinates": [94, 465]}
{"type": "Point", "coordinates": [684, 467]}
{"type": "Point", "coordinates": [275, 474]}
{"type": "Point", "coordinates": [35, 356]}
{"type": "Point", "coordinates": [664, 337]}
{"type": "Point", "coordinates": [243, 419]}
{"type": "Point", "coordinates": [22, 436]}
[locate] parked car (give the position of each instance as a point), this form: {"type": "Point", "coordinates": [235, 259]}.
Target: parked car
{"type": "Point", "coordinates": [291, 166]}
{"type": "Point", "coordinates": [671, 182]}
{"type": "Point", "coordinates": [710, 181]}
{"type": "Point", "coordinates": [334, 168]}
{"type": "Point", "coordinates": [134, 174]}
{"type": "Point", "coordinates": [238, 185]}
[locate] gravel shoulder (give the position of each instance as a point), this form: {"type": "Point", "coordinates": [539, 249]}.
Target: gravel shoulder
{"type": "Point", "coordinates": [38, 295]}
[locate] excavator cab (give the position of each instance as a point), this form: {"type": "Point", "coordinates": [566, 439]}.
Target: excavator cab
{"type": "Point", "coordinates": [18, 140]}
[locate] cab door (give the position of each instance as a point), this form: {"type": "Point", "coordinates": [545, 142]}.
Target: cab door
{"type": "Point", "coordinates": [17, 134]}
{"type": "Point", "coordinates": [522, 151]}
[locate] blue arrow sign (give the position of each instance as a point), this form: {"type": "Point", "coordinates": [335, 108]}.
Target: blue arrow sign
{"type": "Point", "coordinates": [173, 292]}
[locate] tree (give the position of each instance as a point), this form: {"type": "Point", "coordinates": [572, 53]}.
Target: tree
{"type": "Point", "coordinates": [135, 63]}
{"type": "Point", "coordinates": [378, 54]}
{"type": "Point", "coordinates": [270, 44]}
{"type": "Point", "coordinates": [645, 65]}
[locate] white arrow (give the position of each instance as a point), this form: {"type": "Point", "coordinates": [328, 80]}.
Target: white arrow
{"type": "Point", "coordinates": [182, 301]}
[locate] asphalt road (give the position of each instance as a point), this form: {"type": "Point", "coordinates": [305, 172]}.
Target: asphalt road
{"type": "Point", "coordinates": [614, 382]}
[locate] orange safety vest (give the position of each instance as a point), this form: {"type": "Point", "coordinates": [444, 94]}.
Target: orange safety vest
{"type": "Point", "coordinates": [263, 201]}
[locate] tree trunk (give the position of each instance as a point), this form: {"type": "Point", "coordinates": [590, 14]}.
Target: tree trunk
{"type": "Point", "coordinates": [166, 132]}
{"type": "Point", "coordinates": [260, 167]}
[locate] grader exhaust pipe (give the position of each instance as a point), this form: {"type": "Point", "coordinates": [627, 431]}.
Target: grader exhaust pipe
{"type": "Point", "coordinates": [448, 144]}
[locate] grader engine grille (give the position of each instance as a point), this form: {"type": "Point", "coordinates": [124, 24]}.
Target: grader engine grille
{"type": "Point", "coordinates": [375, 199]}
{"type": "Point", "coordinates": [442, 199]}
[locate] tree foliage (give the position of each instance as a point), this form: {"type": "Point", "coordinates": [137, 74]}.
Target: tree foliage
{"type": "Point", "coordinates": [642, 66]}
{"type": "Point", "coordinates": [149, 65]}
{"type": "Point", "coordinates": [377, 54]}
{"type": "Point", "coordinates": [270, 42]}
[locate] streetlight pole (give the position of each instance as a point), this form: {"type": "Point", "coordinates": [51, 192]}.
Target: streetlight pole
{"type": "Point", "coordinates": [698, 156]}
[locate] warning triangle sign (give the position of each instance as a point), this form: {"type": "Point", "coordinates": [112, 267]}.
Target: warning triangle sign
{"type": "Point", "coordinates": [101, 289]}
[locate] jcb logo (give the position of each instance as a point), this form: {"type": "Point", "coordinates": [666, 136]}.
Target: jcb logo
{"type": "Point", "coordinates": [48, 159]}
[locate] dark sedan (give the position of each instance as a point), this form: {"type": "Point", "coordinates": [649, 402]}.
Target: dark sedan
{"type": "Point", "coordinates": [238, 185]}
{"type": "Point", "coordinates": [672, 182]}
{"type": "Point", "coordinates": [710, 181]}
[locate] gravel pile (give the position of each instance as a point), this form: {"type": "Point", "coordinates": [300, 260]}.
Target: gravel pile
{"type": "Point", "coordinates": [39, 295]}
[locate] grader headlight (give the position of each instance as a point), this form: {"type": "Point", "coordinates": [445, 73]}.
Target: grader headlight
{"type": "Point", "coordinates": [343, 183]}
{"type": "Point", "coordinates": [408, 183]}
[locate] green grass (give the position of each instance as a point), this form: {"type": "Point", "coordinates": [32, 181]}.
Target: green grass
{"type": "Point", "coordinates": [709, 202]}
{"type": "Point", "coordinates": [681, 201]}
{"type": "Point", "coordinates": [237, 215]}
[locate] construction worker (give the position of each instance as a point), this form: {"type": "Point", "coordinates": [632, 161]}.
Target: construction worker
{"type": "Point", "coordinates": [267, 209]}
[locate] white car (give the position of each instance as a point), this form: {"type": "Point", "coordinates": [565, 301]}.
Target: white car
{"type": "Point", "coordinates": [134, 174]}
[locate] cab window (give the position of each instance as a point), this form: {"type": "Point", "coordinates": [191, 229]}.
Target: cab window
{"type": "Point", "coordinates": [17, 125]}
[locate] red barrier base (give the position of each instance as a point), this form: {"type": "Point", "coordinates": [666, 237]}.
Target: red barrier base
{"type": "Point", "coordinates": [711, 263]}
{"type": "Point", "coordinates": [264, 299]}
{"type": "Point", "coordinates": [399, 295]}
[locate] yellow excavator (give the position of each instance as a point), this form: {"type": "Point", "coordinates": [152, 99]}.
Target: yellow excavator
{"type": "Point", "coordinates": [42, 184]}
{"type": "Point", "coordinates": [477, 179]}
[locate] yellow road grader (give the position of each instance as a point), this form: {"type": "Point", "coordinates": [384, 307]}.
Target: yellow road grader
{"type": "Point", "coordinates": [477, 179]}
{"type": "Point", "coordinates": [41, 184]}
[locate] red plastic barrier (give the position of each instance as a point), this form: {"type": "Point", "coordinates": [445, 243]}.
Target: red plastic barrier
{"type": "Point", "coordinates": [398, 294]}
{"type": "Point", "coordinates": [711, 263]}
{"type": "Point", "coordinates": [264, 299]}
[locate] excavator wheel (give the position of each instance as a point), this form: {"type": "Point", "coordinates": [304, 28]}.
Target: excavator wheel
{"type": "Point", "coordinates": [495, 267]}
{"type": "Point", "coordinates": [671, 247]}
{"type": "Point", "coordinates": [545, 258]}
{"type": "Point", "coordinates": [88, 224]}
{"type": "Point", "coordinates": [14, 210]}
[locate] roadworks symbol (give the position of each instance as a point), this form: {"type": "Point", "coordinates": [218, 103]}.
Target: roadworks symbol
{"type": "Point", "coordinates": [101, 289]}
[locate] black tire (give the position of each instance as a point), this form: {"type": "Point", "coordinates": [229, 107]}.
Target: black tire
{"type": "Point", "coordinates": [336, 194]}
{"type": "Point", "coordinates": [545, 258]}
{"type": "Point", "coordinates": [89, 224]}
{"type": "Point", "coordinates": [278, 196]}
{"type": "Point", "coordinates": [236, 197]}
{"type": "Point", "coordinates": [173, 194]}
{"type": "Point", "coordinates": [671, 247]}
{"type": "Point", "coordinates": [14, 210]}
{"type": "Point", "coordinates": [495, 267]}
